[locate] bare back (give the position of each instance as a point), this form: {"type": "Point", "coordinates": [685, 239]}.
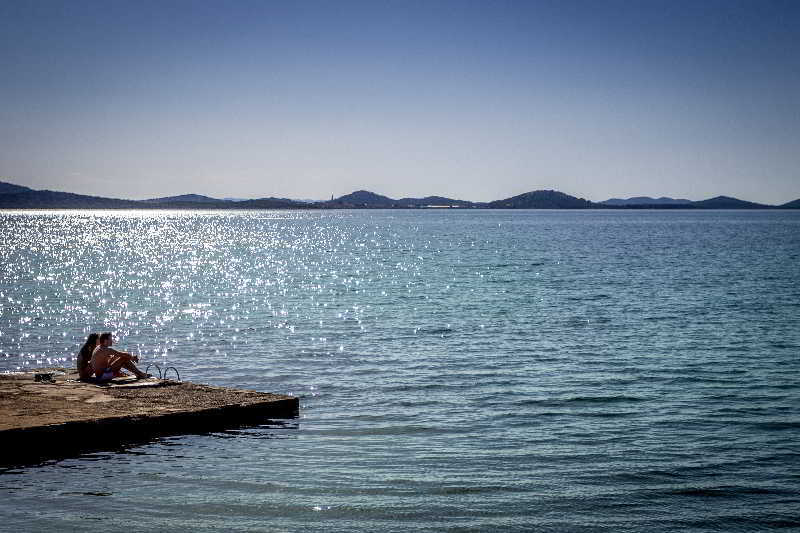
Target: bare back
{"type": "Point", "coordinates": [85, 369]}
{"type": "Point", "coordinates": [101, 358]}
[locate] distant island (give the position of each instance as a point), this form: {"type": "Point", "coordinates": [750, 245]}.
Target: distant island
{"type": "Point", "coordinates": [646, 200]}
{"type": "Point", "coordinates": [19, 197]}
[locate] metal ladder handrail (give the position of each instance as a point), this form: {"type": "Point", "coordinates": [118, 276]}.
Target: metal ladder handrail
{"type": "Point", "coordinates": [172, 368]}
{"type": "Point", "coordinates": [146, 370]}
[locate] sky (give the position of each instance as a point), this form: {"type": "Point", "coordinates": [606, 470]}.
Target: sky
{"type": "Point", "coordinates": [475, 100]}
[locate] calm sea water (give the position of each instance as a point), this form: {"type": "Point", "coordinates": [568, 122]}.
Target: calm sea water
{"type": "Point", "coordinates": [458, 371]}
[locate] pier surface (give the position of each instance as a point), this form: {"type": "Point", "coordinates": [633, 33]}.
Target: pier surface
{"type": "Point", "coordinates": [38, 420]}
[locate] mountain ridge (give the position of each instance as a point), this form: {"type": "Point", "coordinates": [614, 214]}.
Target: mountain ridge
{"type": "Point", "coordinates": [10, 188]}
{"type": "Point", "coordinates": [727, 202]}
{"type": "Point", "coordinates": [14, 196]}
{"type": "Point", "coordinates": [184, 198]}
{"type": "Point", "coordinates": [548, 199]}
{"type": "Point", "coordinates": [794, 204]}
{"type": "Point", "coordinates": [645, 200]}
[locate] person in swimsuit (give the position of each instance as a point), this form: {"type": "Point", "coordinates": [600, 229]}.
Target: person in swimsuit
{"type": "Point", "coordinates": [85, 370]}
{"type": "Point", "coordinates": [106, 362]}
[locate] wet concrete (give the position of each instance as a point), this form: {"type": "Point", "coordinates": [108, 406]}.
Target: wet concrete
{"type": "Point", "coordinates": [42, 419]}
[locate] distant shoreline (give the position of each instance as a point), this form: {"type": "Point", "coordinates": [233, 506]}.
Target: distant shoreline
{"type": "Point", "coordinates": [460, 209]}
{"type": "Point", "coordinates": [18, 197]}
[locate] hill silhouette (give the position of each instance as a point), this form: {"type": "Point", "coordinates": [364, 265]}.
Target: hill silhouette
{"type": "Point", "coordinates": [184, 198]}
{"type": "Point", "coordinates": [10, 188]}
{"type": "Point", "coordinates": [270, 203]}
{"type": "Point", "coordinates": [361, 199]}
{"type": "Point", "coordinates": [429, 201]}
{"type": "Point", "coordinates": [63, 200]}
{"type": "Point", "coordinates": [542, 200]}
{"type": "Point", "coordinates": [366, 199]}
{"type": "Point", "coordinates": [726, 202]}
{"type": "Point", "coordinates": [19, 197]}
{"type": "Point", "coordinates": [645, 200]}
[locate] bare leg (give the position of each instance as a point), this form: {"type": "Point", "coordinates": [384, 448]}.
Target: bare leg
{"type": "Point", "coordinates": [138, 373]}
{"type": "Point", "coordinates": [117, 363]}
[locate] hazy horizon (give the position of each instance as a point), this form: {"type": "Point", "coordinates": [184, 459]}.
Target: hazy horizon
{"type": "Point", "coordinates": [314, 200]}
{"type": "Point", "coordinates": [470, 100]}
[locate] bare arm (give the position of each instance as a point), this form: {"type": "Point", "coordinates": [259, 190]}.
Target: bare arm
{"type": "Point", "coordinates": [114, 353]}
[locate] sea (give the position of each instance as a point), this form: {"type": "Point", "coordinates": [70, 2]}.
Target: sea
{"type": "Point", "coordinates": [458, 370]}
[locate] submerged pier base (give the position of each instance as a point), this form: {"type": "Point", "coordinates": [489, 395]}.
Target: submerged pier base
{"type": "Point", "coordinates": [41, 420]}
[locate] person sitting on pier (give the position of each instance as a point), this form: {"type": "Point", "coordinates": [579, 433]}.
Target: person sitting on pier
{"type": "Point", "coordinates": [106, 362]}
{"type": "Point", "coordinates": [85, 370]}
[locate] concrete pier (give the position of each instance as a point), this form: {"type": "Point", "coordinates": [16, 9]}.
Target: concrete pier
{"type": "Point", "coordinates": [40, 420]}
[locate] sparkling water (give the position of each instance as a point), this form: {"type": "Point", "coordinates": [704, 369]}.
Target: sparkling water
{"type": "Point", "coordinates": [458, 370]}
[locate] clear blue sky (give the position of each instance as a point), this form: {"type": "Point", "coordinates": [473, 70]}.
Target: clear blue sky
{"type": "Point", "coordinates": [473, 100]}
